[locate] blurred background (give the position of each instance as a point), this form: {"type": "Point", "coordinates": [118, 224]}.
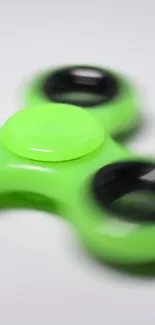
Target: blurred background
{"type": "Point", "coordinates": [45, 277]}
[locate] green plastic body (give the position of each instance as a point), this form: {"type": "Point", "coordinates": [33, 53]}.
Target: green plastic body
{"type": "Point", "coordinates": [58, 174]}
{"type": "Point", "coordinates": [120, 115]}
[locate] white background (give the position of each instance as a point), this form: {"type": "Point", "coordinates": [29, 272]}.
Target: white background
{"type": "Point", "coordinates": [44, 276]}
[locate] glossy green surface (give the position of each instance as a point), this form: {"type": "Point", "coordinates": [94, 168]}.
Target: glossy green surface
{"type": "Point", "coordinates": [52, 133]}
{"type": "Point", "coordinates": [68, 186]}
{"type": "Point", "coordinates": [119, 115]}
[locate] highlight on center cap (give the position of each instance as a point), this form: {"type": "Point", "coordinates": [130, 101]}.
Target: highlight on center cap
{"type": "Point", "coordinates": [52, 132]}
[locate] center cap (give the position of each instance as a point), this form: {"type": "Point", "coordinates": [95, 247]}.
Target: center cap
{"type": "Point", "coordinates": [52, 132]}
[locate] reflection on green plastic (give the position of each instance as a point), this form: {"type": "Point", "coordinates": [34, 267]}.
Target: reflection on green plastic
{"type": "Point", "coordinates": [67, 183]}
{"type": "Point", "coordinates": [119, 115]}
{"type": "Point", "coordinates": [52, 133]}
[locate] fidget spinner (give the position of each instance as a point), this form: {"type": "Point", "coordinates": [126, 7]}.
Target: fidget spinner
{"type": "Point", "coordinates": [108, 96]}
{"type": "Point", "coordinates": [56, 149]}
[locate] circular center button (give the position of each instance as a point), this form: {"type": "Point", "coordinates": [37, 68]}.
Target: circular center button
{"type": "Point", "coordinates": [52, 132]}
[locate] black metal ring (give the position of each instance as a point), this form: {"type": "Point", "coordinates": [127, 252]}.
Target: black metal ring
{"type": "Point", "coordinates": [81, 79]}
{"type": "Point", "coordinates": [114, 181]}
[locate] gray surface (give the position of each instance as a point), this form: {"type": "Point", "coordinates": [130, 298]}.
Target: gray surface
{"type": "Point", "coordinates": [44, 278]}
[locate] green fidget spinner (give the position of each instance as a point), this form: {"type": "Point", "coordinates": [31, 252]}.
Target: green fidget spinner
{"type": "Point", "coordinates": [108, 96]}
{"type": "Point", "coordinates": [61, 152]}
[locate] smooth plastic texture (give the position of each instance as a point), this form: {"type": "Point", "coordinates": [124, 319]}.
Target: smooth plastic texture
{"type": "Point", "coordinates": [52, 133]}
{"type": "Point", "coordinates": [119, 114]}
{"type": "Point", "coordinates": [127, 188]}
{"type": "Point", "coordinates": [68, 185]}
